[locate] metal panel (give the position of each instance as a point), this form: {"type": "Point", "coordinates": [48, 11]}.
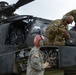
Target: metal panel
{"type": "Point", "coordinates": [6, 62]}
{"type": "Point", "coordinates": [67, 56]}
{"type": "Point", "coordinates": [6, 58]}
{"type": "Point", "coordinates": [3, 32]}
{"type": "Point", "coordinates": [72, 34]}
{"type": "Point", "coordinates": [7, 48]}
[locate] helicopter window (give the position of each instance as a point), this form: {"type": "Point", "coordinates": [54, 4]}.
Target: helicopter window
{"type": "Point", "coordinates": [35, 30]}
{"type": "Point", "coordinates": [16, 34]}
{"type": "Point", "coordinates": [39, 26]}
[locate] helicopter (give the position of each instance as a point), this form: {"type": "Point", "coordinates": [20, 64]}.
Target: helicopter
{"type": "Point", "coordinates": [16, 39]}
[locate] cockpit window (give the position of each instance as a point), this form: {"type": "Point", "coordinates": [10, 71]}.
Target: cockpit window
{"type": "Point", "coordinates": [39, 26]}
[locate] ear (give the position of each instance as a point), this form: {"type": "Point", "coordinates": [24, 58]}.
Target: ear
{"type": "Point", "coordinates": [41, 42]}
{"type": "Point", "coordinates": [64, 17]}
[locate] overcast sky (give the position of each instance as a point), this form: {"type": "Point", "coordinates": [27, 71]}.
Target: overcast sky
{"type": "Point", "coordinates": [48, 9]}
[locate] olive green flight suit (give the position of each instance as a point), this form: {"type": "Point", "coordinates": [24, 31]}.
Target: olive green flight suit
{"type": "Point", "coordinates": [54, 33]}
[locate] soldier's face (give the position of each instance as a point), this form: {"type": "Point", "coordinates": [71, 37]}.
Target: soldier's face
{"type": "Point", "coordinates": [68, 22]}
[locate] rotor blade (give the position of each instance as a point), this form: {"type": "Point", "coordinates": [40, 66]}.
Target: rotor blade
{"type": "Point", "coordinates": [22, 2]}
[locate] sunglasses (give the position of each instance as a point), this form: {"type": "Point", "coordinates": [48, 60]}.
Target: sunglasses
{"type": "Point", "coordinates": [68, 22]}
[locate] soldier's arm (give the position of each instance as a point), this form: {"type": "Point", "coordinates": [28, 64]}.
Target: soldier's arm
{"type": "Point", "coordinates": [66, 34]}
{"type": "Point", "coordinates": [36, 62]}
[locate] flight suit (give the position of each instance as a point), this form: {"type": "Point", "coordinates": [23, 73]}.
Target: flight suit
{"type": "Point", "coordinates": [35, 64]}
{"type": "Point", "coordinates": [54, 33]}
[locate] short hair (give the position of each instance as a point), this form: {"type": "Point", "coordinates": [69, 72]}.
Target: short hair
{"type": "Point", "coordinates": [68, 17]}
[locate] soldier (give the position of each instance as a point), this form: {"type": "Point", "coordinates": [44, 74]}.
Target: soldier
{"type": "Point", "coordinates": [73, 13]}
{"type": "Point", "coordinates": [36, 63]}
{"type": "Point", "coordinates": [57, 31]}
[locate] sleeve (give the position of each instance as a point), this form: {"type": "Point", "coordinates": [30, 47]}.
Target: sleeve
{"type": "Point", "coordinates": [62, 27]}
{"type": "Point", "coordinates": [65, 33]}
{"type": "Point", "coordinates": [35, 61]}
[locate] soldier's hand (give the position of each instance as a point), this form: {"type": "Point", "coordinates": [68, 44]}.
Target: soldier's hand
{"type": "Point", "coordinates": [66, 34]}
{"type": "Point", "coordinates": [47, 65]}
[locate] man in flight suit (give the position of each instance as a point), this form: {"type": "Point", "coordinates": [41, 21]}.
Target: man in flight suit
{"type": "Point", "coordinates": [36, 63]}
{"type": "Point", "coordinates": [57, 31]}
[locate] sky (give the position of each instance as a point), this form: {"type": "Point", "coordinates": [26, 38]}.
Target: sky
{"type": "Point", "coordinates": [48, 9]}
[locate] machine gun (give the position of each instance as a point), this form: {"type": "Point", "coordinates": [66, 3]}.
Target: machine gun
{"type": "Point", "coordinates": [8, 10]}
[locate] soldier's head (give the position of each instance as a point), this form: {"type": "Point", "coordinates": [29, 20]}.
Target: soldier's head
{"type": "Point", "coordinates": [3, 4]}
{"type": "Point", "coordinates": [39, 40]}
{"type": "Point", "coordinates": [67, 19]}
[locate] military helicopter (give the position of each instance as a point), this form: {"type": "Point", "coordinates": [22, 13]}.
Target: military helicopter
{"type": "Point", "coordinates": [16, 39]}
